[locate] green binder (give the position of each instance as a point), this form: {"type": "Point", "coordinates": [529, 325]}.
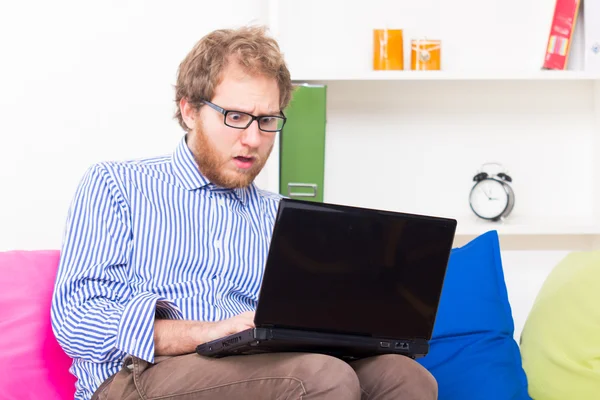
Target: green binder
{"type": "Point", "coordinates": [302, 144]}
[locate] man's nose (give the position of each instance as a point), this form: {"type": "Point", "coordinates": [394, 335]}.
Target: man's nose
{"type": "Point", "coordinates": [251, 136]}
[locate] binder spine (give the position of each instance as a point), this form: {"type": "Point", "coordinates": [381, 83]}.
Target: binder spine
{"type": "Point", "coordinates": [561, 34]}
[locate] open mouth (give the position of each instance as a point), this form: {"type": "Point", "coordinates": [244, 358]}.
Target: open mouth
{"type": "Point", "coordinates": [243, 162]}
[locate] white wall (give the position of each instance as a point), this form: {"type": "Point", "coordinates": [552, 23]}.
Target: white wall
{"type": "Point", "coordinates": [83, 82]}
{"type": "Point", "coordinates": [89, 81]}
{"type": "Point", "coordinates": [524, 274]}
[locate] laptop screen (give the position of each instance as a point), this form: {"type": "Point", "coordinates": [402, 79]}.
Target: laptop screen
{"type": "Point", "coordinates": [350, 270]}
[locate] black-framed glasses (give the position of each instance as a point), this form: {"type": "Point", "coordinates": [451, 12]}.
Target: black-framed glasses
{"type": "Point", "coordinates": [242, 120]}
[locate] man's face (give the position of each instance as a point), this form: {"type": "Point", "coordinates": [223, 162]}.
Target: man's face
{"type": "Point", "coordinates": [227, 156]}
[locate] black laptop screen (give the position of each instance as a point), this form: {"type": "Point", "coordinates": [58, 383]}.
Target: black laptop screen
{"type": "Point", "coordinates": [341, 269]}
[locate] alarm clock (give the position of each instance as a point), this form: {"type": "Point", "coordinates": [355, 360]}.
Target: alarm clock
{"type": "Point", "coordinates": [492, 197]}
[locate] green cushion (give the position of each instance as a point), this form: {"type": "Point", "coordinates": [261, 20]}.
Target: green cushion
{"type": "Point", "coordinates": [560, 343]}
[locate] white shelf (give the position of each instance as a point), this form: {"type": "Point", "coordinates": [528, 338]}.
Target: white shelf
{"type": "Point", "coordinates": [447, 76]}
{"type": "Point", "coordinates": [517, 225]}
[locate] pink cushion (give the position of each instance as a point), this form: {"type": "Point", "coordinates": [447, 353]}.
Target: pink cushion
{"type": "Point", "coordinates": [33, 365]}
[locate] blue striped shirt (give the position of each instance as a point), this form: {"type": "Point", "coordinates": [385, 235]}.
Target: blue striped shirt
{"type": "Point", "coordinates": [153, 238]}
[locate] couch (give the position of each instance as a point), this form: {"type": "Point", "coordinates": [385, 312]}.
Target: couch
{"type": "Point", "coordinates": [473, 354]}
{"type": "Point", "coordinates": [33, 366]}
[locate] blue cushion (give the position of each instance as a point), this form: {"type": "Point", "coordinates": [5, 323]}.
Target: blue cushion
{"type": "Point", "coordinates": [473, 354]}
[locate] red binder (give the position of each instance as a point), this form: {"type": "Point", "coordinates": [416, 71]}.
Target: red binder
{"type": "Point", "coordinates": [561, 34]}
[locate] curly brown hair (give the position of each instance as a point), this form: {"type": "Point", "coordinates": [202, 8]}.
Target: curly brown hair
{"type": "Point", "coordinates": [200, 72]}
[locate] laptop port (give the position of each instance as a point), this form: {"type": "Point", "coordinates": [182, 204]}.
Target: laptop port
{"type": "Point", "coordinates": [401, 346]}
{"type": "Point", "coordinates": [384, 344]}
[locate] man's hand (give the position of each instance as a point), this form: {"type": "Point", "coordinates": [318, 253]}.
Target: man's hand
{"type": "Point", "coordinates": [176, 337]}
{"type": "Point", "coordinates": [229, 326]}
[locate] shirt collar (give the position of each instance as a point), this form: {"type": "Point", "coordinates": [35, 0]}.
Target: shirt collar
{"type": "Point", "coordinates": [186, 169]}
{"type": "Point", "coordinates": [189, 176]}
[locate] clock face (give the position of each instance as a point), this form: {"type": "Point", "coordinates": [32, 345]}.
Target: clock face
{"type": "Point", "coordinates": [488, 198]}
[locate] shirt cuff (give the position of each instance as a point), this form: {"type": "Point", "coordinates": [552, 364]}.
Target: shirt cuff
{"type": "Point", "coordinates": [136, 327]}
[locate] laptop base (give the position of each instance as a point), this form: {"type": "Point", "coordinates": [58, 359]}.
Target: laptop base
{"type": "Point", "coordinates": [274, 340]}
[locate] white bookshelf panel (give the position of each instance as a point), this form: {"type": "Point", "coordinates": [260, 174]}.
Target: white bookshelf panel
{"type": "Point", "coordinates": [541, 75]}
{"type": "Point", "coordinates": [414, 146]}
{"type": "Point", "coordinates": [524, 225]}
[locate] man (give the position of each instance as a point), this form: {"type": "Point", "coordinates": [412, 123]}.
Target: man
{"type": "Point", "coordinates": [166, 253]}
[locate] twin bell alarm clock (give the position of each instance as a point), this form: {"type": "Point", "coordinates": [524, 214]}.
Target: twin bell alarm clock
{"type": "Point", "coordinates": [492, 197]}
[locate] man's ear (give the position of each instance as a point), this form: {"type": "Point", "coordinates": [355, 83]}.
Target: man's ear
{"type": "Point", "coordinates": [188, 113]}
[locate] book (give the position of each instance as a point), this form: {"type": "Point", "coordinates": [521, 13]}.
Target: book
{"type": "Point", "coordinates": [561, 34]}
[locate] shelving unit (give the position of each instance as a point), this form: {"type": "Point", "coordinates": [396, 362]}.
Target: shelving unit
{"type": "Point", "coordinates": [541, 75]}
{"type": "Point", "coordinates": [519, 225]}
{"type": "Point", "coordinates": [412, 140]}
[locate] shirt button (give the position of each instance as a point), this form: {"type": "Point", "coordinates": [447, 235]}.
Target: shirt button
{"type": "Point", "coordinates": [218, 244]}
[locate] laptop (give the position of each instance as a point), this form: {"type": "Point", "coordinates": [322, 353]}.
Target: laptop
{"type": "Point", "coordinates": [346, 281]}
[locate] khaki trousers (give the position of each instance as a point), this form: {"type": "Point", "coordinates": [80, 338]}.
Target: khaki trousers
{"type": "Point", "coordinates": [270, 376]}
